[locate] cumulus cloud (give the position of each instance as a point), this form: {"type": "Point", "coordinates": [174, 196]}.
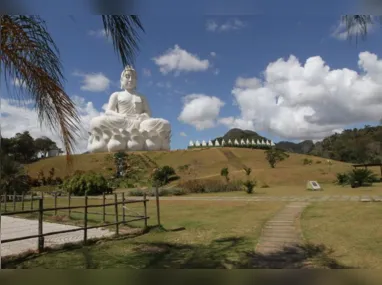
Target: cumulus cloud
{"type": "Point", "coordinates": [17, 118]}
{"type": "Point", "coordinates": [178, 60]}
{"type": "Point", "coordinates": [340, 32]}
{"type": "Point", "coordinates": [101, 33]}
{"type": "Point", "coordinates": [230, 25]}
{"type": "Point", "coordinates": [183, 134]}
{"type": "Point", "coordinates": [200, 111]}
{"type": "Point", "coordinates": [147, 72]}
{"type": "Point", "coordinates": [93, 82]}
{"type": "Point", "coordinates": [309, 101]}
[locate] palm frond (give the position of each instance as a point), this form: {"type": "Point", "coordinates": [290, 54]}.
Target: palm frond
{"type": "Point", "coordinates": [29, 54]}
{"type": "Point", "coordinates": [123, 30]}
{"type": "Point", "coordinates": [357, 25]}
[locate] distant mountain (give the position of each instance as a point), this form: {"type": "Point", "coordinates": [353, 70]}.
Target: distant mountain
{"type": "Point", "coordinates": [353, 145]}
{"type": "Point", "coordinates": [302, 147]}
{"type": "Point", "coordinates": [240, 134]}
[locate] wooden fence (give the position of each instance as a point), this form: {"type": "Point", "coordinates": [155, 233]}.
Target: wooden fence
{"type": "Point", "coordinates": [29, 201]}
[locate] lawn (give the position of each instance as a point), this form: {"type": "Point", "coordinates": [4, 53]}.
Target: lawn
{"type": "Point", "coordinates": [352, 230]}
{"type": "Point", "coordinates": [215, 235]}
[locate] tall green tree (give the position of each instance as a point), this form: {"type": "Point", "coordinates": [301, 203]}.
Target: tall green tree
{"type": "Point", "coordinates": [275, 155]}
{"type": "Point", "coordinates": [30, 55]}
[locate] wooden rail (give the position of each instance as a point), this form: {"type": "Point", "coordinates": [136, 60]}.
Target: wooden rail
{"type": "Point", "coordinates": [41, 210]}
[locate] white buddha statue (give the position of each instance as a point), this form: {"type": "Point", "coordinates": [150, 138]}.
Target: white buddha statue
{"type": "Point", "coordinates": [127, 124]}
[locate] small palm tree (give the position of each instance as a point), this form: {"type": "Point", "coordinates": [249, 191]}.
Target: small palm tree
{"type": "Point", "coordinates": [361, 177]}
{"type": "Point", "coordinates": [29, 54]}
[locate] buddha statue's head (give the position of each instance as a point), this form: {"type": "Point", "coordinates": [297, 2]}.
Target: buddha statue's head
{"type": "Point", "coordinates": [129, 78]}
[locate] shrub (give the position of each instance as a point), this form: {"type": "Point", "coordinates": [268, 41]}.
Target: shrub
{"type": "Point", "coordinates": [224, 172]}
{"type": "Point", "coordinates": [162, 175]}
{"type": "Point", "coordinates": [361, 177]}
{"type": "Point", "coordinates": [318, 162]}
{"type": "Point", "coordinates": [307, 161]}
{"type": "Point", "coordinates": [89, 183]}
{"type": "Point", "coordinates": [342, 178]}
{"type": "Point", "coordinates": [249, 185]}
{"type": "Point", "coordinates": [136, 192]}
{"type": "Point", "coordinates": [179, 192]}
{"type": "Point", "coordinates": [210, 186]}
{"type": "Point", "coordinates": [264, 185]}
{"type": "Point", "coordinates": [247, 170]}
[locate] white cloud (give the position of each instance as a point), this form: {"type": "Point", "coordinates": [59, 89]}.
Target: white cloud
{"type": "Point", "coordinates": [146, 72]}
{"type": "Point", "coordinates": [341, 33]}
{"type": "Point", "coordinates": [93, 82]}
{"type": "Point", "coordinates": [101, 33]}
{"type": "Point", "coordinates": [213, 54]}
{"type": "Point", "coordinates": [183, 134]}
{"type": "Point", "coordinates": [178, 60]}
{"type": "Point", "coordinates": [216, 71]}
{"type": "Point", "coordinates": [164, 85]}
{"type": "Point", "coordinates": [309, 101]}
{"type": "Point", "coordinates": [242, 82]}
{"type": "Point", "coordinates": [230, 25]}
{"type": "Point", "coordinates": [200, 111]}
{"type": "Point", "coordinates": [17, 82]}
{"type": "Point", "coordinates": [17, 119]}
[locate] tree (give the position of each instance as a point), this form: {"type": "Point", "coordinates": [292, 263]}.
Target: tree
{"type": "Point", "coordinates": [23, 147]}
{"type": "Point", "coordinates": [162, 175]}
{"type": "Point", "coordinates": [357, 25]}
{"type": "Point", "coordinates": [224, 172]}
{"type": "Point", "coordinates": [44, 144]}
{"type": "Point", "coordinates": [30, 55]}
{"type": "Point", "coordinates": [13, 177]}
{"type": "Point", "coordinates": [275, 155]}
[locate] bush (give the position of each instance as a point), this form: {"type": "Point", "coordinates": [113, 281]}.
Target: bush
{"type": "Point", "coordinates": [307, 161]}
{"type": "Point", "coordinates": [318, 162]}
{"type": "Point", "coordinates": [249, 185]}
{"type": "Point", "coordinates": [342, 178]}
{"type": "Point", "coordinates": [264, 185]}
{"type": "Point", "coordinates": [162, 175]}
{"type": "Point", "coordinates": [89, 183]}
{"type": "Point", "coordinates": [179, 192]}
{"type": "Point", "coordinates": [361, 177]}
{"type": "Point", "coordinates": [151, 192]}
{"type": "Point", "coordinates": [210, 186]}
{"type": "Point", "coordinates": [136, 192]}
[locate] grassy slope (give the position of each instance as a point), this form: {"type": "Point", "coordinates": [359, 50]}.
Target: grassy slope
{"type": "Point", "coordinates": [207, 163]}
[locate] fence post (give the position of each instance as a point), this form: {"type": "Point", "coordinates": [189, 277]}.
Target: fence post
{"type": "Point", "coordinates": [116, 214]}
{"type": "Point", "coordinates": [22, 201]}
{"type": "Point", "coordinates": [86, 219]}
{"type": "Point", "coordinates": [145, 209]}
{"type": "Point", "coordinates": [5, 201]}
{"type": "Point", "coordinates": [123, 208]}
{"type": "Point", "coordinates": [103, 203]}
{"type": "Point", "coordinates": [31, 200]}
{"type": "Point", "coordinates": [14, 201]}
{"type": "Point", "coordinates": [55, 204]}
{"type": "Point", "coordinates": [40, 225]}
{"type": "Point", "coordinates": [69, 210]}
{"type": "Point", "coordinates": [157, 201]}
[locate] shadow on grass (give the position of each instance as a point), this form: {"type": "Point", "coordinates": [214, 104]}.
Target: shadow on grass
{"type": "Point", "coordinates": [225, 253]}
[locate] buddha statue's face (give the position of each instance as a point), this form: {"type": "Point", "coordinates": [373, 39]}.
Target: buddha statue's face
{"type": "Point", "coordinates": [128, 80]}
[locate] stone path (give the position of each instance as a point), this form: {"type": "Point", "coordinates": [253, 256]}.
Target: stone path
{"type": "Point", "coordinates": [16, 227]}
{"type": "Point", "coordinates": [282, 230]}
{"type": "Point", "coordinates": [339, 198]}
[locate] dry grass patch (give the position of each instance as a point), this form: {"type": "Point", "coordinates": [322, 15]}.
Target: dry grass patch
{"type": "Point", "coordinates": [351, 229]}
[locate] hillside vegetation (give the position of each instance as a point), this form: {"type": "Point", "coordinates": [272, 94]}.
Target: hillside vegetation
{"type": "Point", "coordinates": [204, 164]}
{"type": "Point", "coordinates": [354, 145]}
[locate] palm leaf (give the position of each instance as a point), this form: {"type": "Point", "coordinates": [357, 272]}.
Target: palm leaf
{"type": "Point", "coordinates": [358, 25]}
{"type": "Point", "coordinates": [123, 30]}
{"type": "Point", "coordinates": [29, 54]}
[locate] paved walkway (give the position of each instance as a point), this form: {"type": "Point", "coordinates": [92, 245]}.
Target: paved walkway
{"type": "Point", "coordinates": [339, 198]}
{"type": "Point", "coordinates": [16, 227]}
{"type": "Point", "coordinates": [280, 237]}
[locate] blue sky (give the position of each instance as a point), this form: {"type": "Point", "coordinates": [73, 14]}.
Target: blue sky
{"type": "Point", "coordinates": [243, 48]}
